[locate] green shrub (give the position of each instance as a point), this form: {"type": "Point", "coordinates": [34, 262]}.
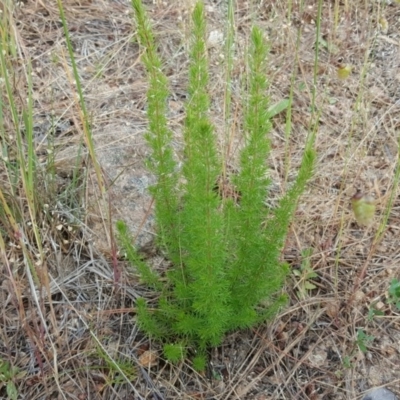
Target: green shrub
{"type": "Point", "coordinates": [225, 252]}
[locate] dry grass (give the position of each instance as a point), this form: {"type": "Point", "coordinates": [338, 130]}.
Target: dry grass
{"type": "Point", "coordinates": [77, 338]}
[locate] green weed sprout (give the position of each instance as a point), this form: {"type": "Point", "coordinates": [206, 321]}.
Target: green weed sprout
{"type": "Point", "coordinates": [363, 340]}
{"type": "Point", "coordinates": [305, 275]}
{"type": "Point", "coordinates": [225, 252]}
{"type": "Point", "coordinates": [394, 293]}
{"type": "Point", "coordinates": [8, 374]}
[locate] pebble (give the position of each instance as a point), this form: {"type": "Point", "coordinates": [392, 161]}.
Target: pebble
{"type": "Point", "coordinates": [380, 394]}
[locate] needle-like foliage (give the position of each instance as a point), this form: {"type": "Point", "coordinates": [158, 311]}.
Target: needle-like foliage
{"type": "Point", "coordinates": [226, 271]}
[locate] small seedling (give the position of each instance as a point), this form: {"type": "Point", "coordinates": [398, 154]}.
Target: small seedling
{"type": "Point", "coordinates": [347, 363]}
{"type": "Point", "coordinates": [394, 293]}
{"type": "Point", "coordinates": [7, 376]}
{"type": "Point", "coordinates": [374, 312]}
{"type": "Point", "coordinates": [304, 274]}
{"type": "Point", "coordinates": [363, 340]}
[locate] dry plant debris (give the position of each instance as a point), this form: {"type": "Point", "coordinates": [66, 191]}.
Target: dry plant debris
{"type": "Point", "coordinates": [337, 340]}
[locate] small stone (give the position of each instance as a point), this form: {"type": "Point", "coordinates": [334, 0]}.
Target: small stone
{"type": "Point", "coordinates": [359, 296]}
{"type": "Point", "coordinates": [215, 38]}
{"type": "Point", "coordinates": [380, 394]}
{"type": "Point", "coordinates": [379, 305]}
